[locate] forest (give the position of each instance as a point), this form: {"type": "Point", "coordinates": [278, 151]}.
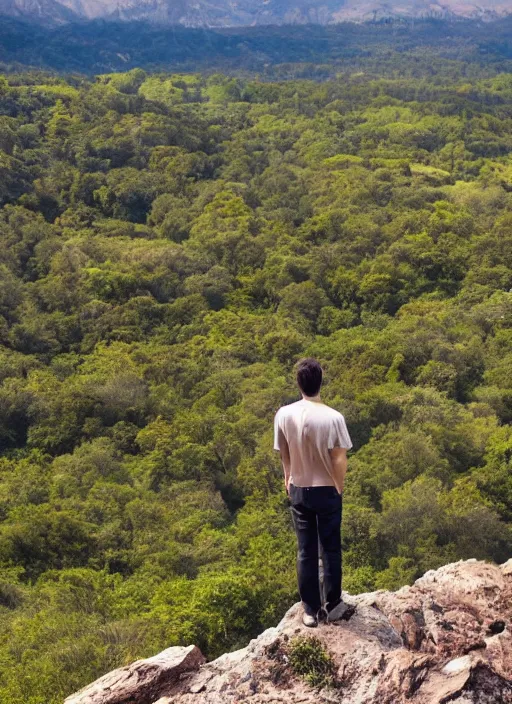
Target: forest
{"type": "Point", "coordinates": [170, 245]}
{"type": "Point", "coordinates": [393, 47]}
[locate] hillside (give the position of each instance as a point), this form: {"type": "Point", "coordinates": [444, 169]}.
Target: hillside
{"type": "Point", "coordinates": [170, 245]}
{"type": "Point", "coordinates": [430, 47]}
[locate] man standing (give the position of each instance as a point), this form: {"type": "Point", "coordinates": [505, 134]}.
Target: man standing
{"type": "Point", "coordinates": [313, 441]}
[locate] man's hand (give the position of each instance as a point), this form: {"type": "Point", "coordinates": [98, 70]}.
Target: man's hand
{"type": "Point", "coordinates": [287, 485]}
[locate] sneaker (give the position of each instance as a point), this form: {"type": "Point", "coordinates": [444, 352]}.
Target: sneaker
{"type": "Point", "coordinates": [309, 620]}
{"type": "Point", "coordinates": [341, 612]}
{"type": "Point", "coordinates": [322, 615]}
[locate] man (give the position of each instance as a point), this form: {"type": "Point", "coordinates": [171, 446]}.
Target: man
{"type": "Point", "coordinates": [313, 441]}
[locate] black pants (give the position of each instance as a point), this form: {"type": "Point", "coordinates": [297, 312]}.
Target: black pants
{"type": "Point", "coordinates": [316, 514]}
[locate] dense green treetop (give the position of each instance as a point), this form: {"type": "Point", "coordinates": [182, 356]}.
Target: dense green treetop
{"type": "Point", "coordinates": [170, 245]}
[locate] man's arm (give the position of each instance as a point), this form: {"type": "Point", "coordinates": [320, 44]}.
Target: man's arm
{"type": "Point", "coordinates": [339, 443]}
{"type": "Point", "coordinates": [285, 461]}
{"type": "Point", "coordinates": [339, 466]}
{"type": "Point", "coordinates": [281, 444]}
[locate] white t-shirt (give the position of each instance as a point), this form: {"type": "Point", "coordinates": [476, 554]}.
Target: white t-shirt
{"type": "Point", "coordinates": [311, 429]}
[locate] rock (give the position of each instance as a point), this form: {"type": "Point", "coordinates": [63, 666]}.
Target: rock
{"type": "Point", "coordinates": [142, 682]}
{"type": "Point", "coordinates": [446, 638]}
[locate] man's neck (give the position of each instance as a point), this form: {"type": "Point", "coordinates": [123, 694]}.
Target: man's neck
{"type": "Point", "coordinates": [316, 398]}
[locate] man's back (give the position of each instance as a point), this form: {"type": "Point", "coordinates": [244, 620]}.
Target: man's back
{"type": "Point", "coordinates": [311, 429]}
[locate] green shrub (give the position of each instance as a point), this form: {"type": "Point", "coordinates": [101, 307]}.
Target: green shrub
{"type": "Point", "coordinates": [309, 659]}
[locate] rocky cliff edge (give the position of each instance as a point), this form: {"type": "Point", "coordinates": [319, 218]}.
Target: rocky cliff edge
{"type": "Point", "coordinates": [446, 638]}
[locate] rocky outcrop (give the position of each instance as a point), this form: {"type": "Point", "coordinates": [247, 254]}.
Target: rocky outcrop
{"type": "Point", "coordinates": [143, 681]}
{"type": "Point", "coordinates": [446, 638]}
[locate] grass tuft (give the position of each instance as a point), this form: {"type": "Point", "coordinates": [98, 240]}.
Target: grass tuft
{"type": "Point", "coordinates": [309, 659]}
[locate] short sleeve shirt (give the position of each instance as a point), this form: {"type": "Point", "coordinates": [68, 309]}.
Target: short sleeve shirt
{"type": "Point", "coordinates": [311, 429]}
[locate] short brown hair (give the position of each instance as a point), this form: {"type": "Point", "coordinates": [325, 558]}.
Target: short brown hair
{"type": "Point", "coordinates": [309, 376]}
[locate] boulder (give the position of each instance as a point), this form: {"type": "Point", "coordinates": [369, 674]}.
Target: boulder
{"type": "Point", "coordinates": [142, 682]}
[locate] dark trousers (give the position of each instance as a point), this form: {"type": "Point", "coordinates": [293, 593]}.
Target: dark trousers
{"type": "Point", "coordinates": [316, 514]}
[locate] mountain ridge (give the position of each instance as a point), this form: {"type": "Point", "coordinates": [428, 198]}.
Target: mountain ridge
{"type": "Point", "coordinates": [224, 13]}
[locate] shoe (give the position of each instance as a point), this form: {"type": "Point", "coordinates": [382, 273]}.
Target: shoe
{"type": "Point", "coordinates": [309, 620]}
{"type": "Point", "coordinates": [322, 615]}
{"type": "Point", "coordinates": [341, 612]}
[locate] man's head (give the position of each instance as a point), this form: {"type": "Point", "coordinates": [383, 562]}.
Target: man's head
{"type": "Point", "coordinates": [309, 376]}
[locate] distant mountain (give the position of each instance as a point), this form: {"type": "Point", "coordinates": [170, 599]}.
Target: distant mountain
{"type": "Point", "coordinates": [226, 13]}
{"type": "Point", "coordinates": [46, 11]}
